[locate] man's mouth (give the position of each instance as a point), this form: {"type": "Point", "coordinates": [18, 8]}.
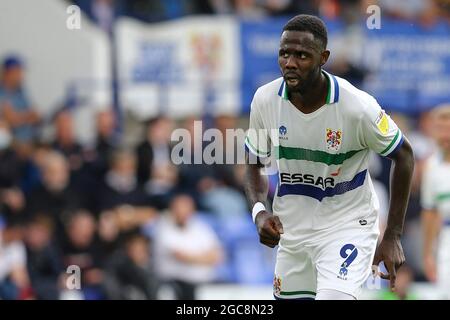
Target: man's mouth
{"type": "Point", "coordinates": [292, 80]}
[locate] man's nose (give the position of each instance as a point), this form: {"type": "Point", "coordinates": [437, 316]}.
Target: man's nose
{"type": "Point", "coordinates": [290, 63]}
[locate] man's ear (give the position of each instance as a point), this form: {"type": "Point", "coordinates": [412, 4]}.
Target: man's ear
{"type": "Point", "coordinates": [324, 57]}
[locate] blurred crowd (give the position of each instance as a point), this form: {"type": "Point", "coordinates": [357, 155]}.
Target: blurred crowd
{"type": "Point", "coordinates": [125, 215]}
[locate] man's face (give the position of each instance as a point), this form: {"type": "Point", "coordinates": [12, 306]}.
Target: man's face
{"type": "Point", "coordinates": [64, 127]}
{"type": "Point", "coordinates": [182, 208]}
{"type": "Point", "coordinates": [14, 77]}
{"type": "Point", "coordinates": [300, 58]}
{"type": "Point", "coordinates": [56, 174]}
{"type": "Point", "coordinates": [81, 230]}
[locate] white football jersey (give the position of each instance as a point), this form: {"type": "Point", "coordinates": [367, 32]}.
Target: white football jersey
{"type": "Point", "coordinates": [322, 156]}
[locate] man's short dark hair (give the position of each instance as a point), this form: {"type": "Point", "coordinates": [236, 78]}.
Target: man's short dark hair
{"type": "Point", "coordinates": [308, 23]}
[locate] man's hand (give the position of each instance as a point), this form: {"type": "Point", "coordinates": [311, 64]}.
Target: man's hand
{"type": "Point", "coordinates": [269, 228]}
{"type": "Point", "coordinates": [390, 251]}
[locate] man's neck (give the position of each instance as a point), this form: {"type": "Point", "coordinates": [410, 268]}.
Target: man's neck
{"type": "Point", "coordinates": [313, 98]}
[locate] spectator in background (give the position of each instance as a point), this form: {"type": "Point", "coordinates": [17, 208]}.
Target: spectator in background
{"type": "Point", "coordinates": [12, 200]}
{"type": "Point", "coordinates": [14, 279]}
{"type": "Point", "coordinates": [32, 167]}
{"type": "Point", "coordinates": [109, 233]}
{"type": "Point", "coordinates": [55, 196]}
{"type": "Point", "coordinates": [154, 152]}
{"type": "Point", "coordinates": [161, 186]}
{"type": "Point", "coordinates": [43, 259]}
{"type": "Point", "coordinates": [65, 140]}
{"type": "Point", "coordinates": [120, 186]}
{"type": "Point", "coordinates": [194, 177]}
{"type": "Point", "coordinates": [15, 106]}
{"type": "Point", "coordinates": [224, 196]}
{"type": "Point", "coordinates": [96, 158]}
{"type": "Point", "coordinates": [230, 150]}
{"type": "Point", "coordinates": [106, 139]}
{"type": "Point", "coordinates": [130, 275]}
{"type": "Point", "coordinates": [122, 195]}
{"type": "Point", "coordinates": [80, 248]}
{"type": "Point", "coordinates": [186, 250]}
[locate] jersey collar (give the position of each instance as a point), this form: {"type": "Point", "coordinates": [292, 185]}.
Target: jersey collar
{"type": "Point", "coordinates": [333, 89]}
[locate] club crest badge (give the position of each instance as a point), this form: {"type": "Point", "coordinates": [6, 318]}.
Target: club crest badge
{"type": "Point", "coordinates": [333, 139]}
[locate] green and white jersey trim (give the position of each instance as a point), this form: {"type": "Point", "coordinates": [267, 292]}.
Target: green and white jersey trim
{"type": "Point", "coordinates": [295, 295]}
{"type": "Point", "coordinates": [249, 147]}
{"type": "Point", "coordinates": [332, 93]}
{"type": "Point", "coordinates": [396, 142]}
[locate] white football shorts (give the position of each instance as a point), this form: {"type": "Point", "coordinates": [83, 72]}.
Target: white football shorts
{"type": "Point", "coordinates": [341, 260]}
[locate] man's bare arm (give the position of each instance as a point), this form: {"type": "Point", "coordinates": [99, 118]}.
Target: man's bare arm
{"type": "Point", "coordinates": [390, 249]}
{"type": "Point", "coordinates": [400, 186]}
{"type": "Point", "coordinates": [256, 185]}
{"type": "Point", "coordinates": [256, 188]}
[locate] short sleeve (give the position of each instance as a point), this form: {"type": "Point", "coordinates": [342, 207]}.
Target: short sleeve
{"type": "Point", "coordinates": [379, 131]}
{"type": "Point", "coordinates": [427, 190]}
{"type": "Point", "coordinates": [257, 140]}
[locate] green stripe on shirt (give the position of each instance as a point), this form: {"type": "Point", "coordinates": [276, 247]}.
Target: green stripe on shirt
{"type": "Point", "coordinates": [392, 142]}
{"type": "Point", "coordinates": [255, 150]}
{"type": "Point", "coordinates": [291, 153]}
{"type": "Point", "coordinates": [443, 196]}
{"type": "Point", "coordinates": [293, 293]}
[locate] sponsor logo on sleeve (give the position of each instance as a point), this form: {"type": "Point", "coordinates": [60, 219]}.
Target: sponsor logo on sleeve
{"type": "Point", "coordinates": [382, 123]}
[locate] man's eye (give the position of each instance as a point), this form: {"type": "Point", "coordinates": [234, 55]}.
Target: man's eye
{"type": "Point", "coordinates": [302, 56]}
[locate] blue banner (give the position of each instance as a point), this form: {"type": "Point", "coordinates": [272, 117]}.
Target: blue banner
{"type": "Point", "coordinates": [410, 65]}
{"type": "Point", "coordinates": [259, 52]}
